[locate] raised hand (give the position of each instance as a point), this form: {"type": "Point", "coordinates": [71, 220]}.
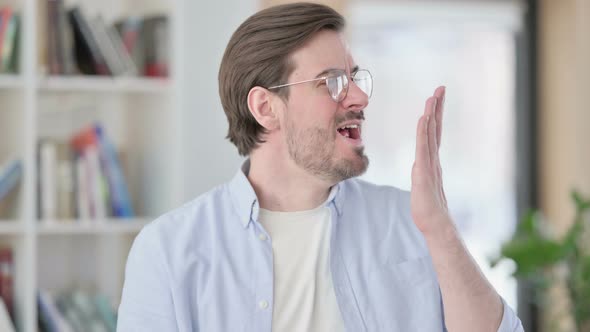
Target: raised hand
{"type": "Point", "coordinates": [428, 201]}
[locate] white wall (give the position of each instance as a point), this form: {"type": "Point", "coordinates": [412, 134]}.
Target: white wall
{"type": "Point", "coordinates": [208, 158]}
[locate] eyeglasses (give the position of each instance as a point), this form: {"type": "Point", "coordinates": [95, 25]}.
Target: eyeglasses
{"type": "Point", "coordinates": [337, 83]}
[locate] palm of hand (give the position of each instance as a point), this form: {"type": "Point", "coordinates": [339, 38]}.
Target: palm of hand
{"type": "Point", "coordinates": [428, 201]}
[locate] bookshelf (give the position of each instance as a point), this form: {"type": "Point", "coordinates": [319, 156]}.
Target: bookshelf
{"type": "Point", "coordinates": [141, 116]}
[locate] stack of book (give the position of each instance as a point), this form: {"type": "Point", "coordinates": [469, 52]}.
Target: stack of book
{"type": "Point", "coordinates": [77, 44]}
{"type": "Point", "coordinates": [10, 23]}
{"type": "Point", "coordinates": [82, 178]}
{"type": "Point", "coordinates": [75, 311]}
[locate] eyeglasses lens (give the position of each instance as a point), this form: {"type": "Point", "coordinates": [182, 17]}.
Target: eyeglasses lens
{"type": "Point", "coordinates": [337, 85]}
{"type": "Point", "coordinates": [364, 81]}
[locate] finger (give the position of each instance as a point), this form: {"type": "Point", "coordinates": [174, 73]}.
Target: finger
{"type": "Point", "coordinates": [422, 151]}
{"type": "Point", "coordinates": [440, 94]}
{"type": "Point", "coordinates": [432, 146]}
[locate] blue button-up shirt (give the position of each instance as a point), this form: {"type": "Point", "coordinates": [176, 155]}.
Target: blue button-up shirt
{"type": "Point", "coordinates": [206, 267]}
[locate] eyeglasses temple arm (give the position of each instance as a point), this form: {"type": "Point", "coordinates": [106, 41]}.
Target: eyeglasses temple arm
{"type": "Point", "coordinates": [289, 84]}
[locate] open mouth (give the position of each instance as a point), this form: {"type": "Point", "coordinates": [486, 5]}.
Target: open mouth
{"type": "Point", "coordinates": [352, 131]}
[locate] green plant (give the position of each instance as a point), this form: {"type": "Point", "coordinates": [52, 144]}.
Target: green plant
{"type": "Point", "coordinates": [535, 251]}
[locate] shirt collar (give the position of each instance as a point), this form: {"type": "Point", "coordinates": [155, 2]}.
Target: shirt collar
{"type": "Point", "coordinates": [336, 197]}
{"type": "Point", "coordinates": [243, 196]}
{"type": "Point", "coordinates": [245, 201]}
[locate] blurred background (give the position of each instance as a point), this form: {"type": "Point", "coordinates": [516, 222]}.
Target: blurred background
{"type": "Point", "coordinates": [111, 116]}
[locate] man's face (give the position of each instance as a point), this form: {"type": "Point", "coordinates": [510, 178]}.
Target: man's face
{"type": "Point", "coordinates": [314, 123]}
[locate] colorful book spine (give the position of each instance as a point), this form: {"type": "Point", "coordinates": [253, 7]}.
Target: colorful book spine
{"type": "Point", "coordinates": [9, 44]}
{"type": "Point", "coordinates": [120, 198]}
{"type": "Point", "coordinates": [5, 16]}
{"type": "Point", "coordinates": [118, 193]}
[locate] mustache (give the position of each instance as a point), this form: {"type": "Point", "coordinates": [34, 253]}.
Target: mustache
{"type": "Point", "coordinates": [351, 116]}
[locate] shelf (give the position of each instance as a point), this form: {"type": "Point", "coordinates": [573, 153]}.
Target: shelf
{"type": "Point", "coordinates": [141, 116]}
{"type": "Point", "coordinates": [108, 226]}
{"type": "Point", "coordinates": [103, 84]}
{"type": "Point", "coordinates": [11, 227]}
{"type": "Point", "coordinates": [11, 81]}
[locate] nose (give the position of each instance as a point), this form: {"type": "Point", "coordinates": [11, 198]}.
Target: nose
{"type": "Point", "coordinates": [356, 100]}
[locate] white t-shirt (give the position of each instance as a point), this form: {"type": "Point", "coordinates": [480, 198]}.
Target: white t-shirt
{"type": "Point", "coordinates": [304, 298]}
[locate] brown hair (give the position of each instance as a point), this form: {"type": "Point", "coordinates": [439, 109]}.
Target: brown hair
{"type": "Point", "coordinates": [258, 54]}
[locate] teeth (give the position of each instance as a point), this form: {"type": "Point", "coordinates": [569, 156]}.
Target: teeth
{"type": "Point", "coordinates": [349, 126]}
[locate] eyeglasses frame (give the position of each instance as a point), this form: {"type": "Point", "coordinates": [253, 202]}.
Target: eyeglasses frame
{"type": "Point", "coordinates": [341, 72]}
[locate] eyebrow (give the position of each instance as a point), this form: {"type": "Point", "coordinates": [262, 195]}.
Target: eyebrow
{"type": "Point", "coordinates": [327, 71]}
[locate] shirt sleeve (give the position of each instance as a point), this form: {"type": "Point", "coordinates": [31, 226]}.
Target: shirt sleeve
{"type": "Point", "coordinates": [510, 322]}
{"type": "Point", "coordinates": [146, 302]}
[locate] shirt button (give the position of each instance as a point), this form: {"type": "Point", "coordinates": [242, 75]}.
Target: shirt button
{"type": "Point", "coordinates": [263, 304]}
{"type": "Point", "coordinates": [262, 237]}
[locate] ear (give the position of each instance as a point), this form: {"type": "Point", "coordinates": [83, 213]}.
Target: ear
{"type": "Point", "coordinates": [261, 106]}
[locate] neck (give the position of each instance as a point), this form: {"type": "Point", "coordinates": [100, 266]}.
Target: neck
{"type": "Point", "coordinates": [281, 185]}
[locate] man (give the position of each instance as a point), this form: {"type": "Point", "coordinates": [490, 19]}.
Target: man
{"type": "Point", "coordinates": [294, 242]}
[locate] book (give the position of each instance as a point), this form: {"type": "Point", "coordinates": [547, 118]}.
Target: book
{"type": "Point", "coordinates": [129, 29]}
{"type": "Point", "coordinates": [9, 48]}
{"type": "Point", "coordinates": [50, 318]}
{"type": "Point", "coordinates": [65, 39]}
{"type": "Point", "coordinates": [55, 180]}
{"type": "Point", "coordinates": [120, 198]}
{"type": "Point", "coordinates": [81, 312]}
{"type": "Point", "coordinates": [6, 324]}
{"type": "Point", "coordinates": [47, 180]}
{"type": "Point", "coordinates": [11, 172]}
{"type": "Point", "coordinates": [129, 66]}
{"type": "Point", "coordinates": [106, 312]}
{"type": "Point", "coordinates": [106, 46]}
{"type": "Point", "coordinates": [156, 37]}
{"type": "Point", "coordinates": [82, 196]}
{"type": "Point", "coordinates": [75, 310]}
{"type": "Point", "coordinates": [10, 175]}
{"type": "Point", "coordinates": [87, 309]}
{"type": "Point", "coordinates": [53, 43]}
{"type": "Point", "coordinates": [88, 55]}
{"type": "Point", "coordinates": [42, 44]}
{"type": "Point", "coordinates": [5, 18]}
{"type": "Point", "coordinates": [65, 190]}
{"type": "Point", "coordinates": [72, 316]}
{"type": "Point", "coordinates": [98, 191]}
{"type": "Point", "coordinates": [7, 280]}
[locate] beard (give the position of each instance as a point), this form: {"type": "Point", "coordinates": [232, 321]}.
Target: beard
{"type": "Point", "coordinates": [313, 149]}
